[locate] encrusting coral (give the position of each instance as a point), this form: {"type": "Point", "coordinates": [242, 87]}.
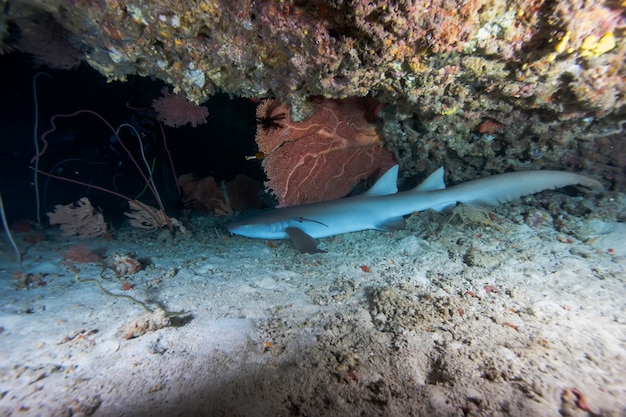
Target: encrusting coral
{"type": "Point", "coordinates": [291, 50]}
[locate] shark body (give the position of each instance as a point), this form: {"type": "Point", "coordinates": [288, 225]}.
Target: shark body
{"type": "Point", "coordinates": [382, 207]}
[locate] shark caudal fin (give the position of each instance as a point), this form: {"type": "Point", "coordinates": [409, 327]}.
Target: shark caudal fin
{"type": "Point", "coordinates": [500, 189]}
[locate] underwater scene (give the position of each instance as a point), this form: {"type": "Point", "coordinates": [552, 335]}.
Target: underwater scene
{"type": "Point", "coordinates": [313, 208]}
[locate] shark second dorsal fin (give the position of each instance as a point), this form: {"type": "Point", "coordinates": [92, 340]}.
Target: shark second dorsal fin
{"type": "Point", "coordinates": [387, 184]}
{"type": "Point", "coordinates": [433, 182]}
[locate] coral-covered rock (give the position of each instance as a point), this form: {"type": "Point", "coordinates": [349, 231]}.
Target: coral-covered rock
{"type": "Point", "coordinates": [441, 54]}
{"type": "Point", "coordinates": [552, 73]}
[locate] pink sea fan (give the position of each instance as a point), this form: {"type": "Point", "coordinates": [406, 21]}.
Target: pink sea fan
{"type": "Point", "coordinates": [322, 157]}
{"type": "Point", "coordinates": [175, 110]}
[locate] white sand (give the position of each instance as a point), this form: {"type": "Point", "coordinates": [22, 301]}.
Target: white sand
{"type": "Point", "coordinates": [475, 314]}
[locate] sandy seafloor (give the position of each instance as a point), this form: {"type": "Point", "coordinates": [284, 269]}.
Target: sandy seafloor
{"type": "Point", "coordinates": [512, 311]}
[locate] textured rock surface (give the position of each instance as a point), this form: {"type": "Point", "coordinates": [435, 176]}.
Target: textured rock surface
{"type": "Point", "coordinates": [550, 73]}
{"type": "Point", "coordinates": [542, 54]}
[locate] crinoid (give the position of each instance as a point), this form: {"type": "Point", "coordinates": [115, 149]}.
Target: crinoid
{"type": "Point", "coordinates": [267, 120]}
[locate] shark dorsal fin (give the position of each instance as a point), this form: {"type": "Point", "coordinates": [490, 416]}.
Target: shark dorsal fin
{"type": "Point", "coordinates": [433, 182]}
{"type": "Point", "coordinates": [387, 184]}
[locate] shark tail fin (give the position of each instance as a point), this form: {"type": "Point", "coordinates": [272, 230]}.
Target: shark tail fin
{"type": "Point", "coordinates": [499, 189]}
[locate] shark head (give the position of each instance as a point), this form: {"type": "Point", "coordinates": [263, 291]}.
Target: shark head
{"type": "Point", "coordinates": [264, 226]}
{"type": "Point", "coordinates": [259, 226]}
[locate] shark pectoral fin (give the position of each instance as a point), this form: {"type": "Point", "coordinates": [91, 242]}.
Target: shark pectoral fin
{"type": "Point", "coordinates": [390, 225]}
{"type": "Point", "coordinates": [303, 242]}
{"type": "Point", "coordinates": [443, 207]}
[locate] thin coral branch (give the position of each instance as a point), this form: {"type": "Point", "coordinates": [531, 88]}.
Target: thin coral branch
{"type": "Point", "coordinates": [149, 218]}
{"type": "Point", "coordinates": [18, 254]}
{"type": "Point", "coordinates": [617, 131]}
{"type": "Point", "coordinates": [95, 187]}
{"type": "Point", "coordinates": [119, 140]}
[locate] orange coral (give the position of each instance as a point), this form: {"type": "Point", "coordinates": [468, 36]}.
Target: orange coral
{"type": "Point", "coordinates": [490, 127]}
{"type": "Point", "coordinates": [81, 254]}
{"type": "Point", "coordinates": [223, 199]}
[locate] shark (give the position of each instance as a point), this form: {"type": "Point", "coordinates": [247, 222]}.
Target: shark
{"type": "Point", "coordinates": [383, 208]}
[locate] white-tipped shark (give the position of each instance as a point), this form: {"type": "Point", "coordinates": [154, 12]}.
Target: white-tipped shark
{"type": "Point", "coordinates": [382, 207]}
